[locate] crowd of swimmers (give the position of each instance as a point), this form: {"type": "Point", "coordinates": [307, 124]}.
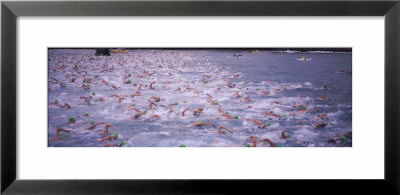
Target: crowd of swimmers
{"type": "Point", "coordinates": [77, 70]}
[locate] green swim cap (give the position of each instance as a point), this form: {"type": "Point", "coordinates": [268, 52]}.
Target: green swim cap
{"type": "Point", "coordinates": [115, 135]}
{"type": "Point", "coordinates": [123, 143]}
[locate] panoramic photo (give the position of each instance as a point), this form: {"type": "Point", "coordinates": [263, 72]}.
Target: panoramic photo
{"type": "Point", "coordinates": [200, 97]}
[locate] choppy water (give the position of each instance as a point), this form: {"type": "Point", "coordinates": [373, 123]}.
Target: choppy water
{"type": "Point", "coordinates": [271, 81]}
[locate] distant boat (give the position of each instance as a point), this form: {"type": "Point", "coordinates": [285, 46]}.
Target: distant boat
{"type": "Point", "coordinates": [237, 55]}
{"type": "Point", "coordinates": [255, 52]}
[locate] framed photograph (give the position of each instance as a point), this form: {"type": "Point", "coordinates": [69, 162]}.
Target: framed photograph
{"type": "Point", "coordinates": [225, 97]}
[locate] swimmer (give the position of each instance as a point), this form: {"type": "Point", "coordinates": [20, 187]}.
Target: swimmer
{"type": "Point", "coordinates": [199, 124]}
{"type": "Point", "coordinates": [227, 116]}
{"type": "Point", "coordinates": [100, 99]}
{"type": "Point", "coordinates": [105, 130]}
{"type": "Point", "coordinates": [104, 81]}
{"type": "Point", "coordinates": [220, 110]}
{"type": "Point", "coordinates": [139, 113]}
{"type": "Point", "coordinates": [91, 127]}
{"type": "Point", "coordinates": [85, 87]}
{"type": "Point", "coordinates": [151, 106]}
{"type": "Point", "coordinates": [322, 116]}
{"type": "Point", "coordinates": [237, 94]}
{"type": "Point", "coordinates": [281, 88]}
{"type": "Point", "coordinates": [223, 127]}
{"type": "Point", "coordinates": [86, 99]}
{"type": "Point", "coordinates": [63, 85]}
{"type": "Point", "coordinates": [307, 110]}
{"type": "Point", "coordinates": [58, 134]}
{"type": "Point", "coordinates": [157, 99]}
{"type": "Point", "coordinates": [265, 93]}
{"type": "Point", "coordinates": [183, 112]}
{"type": "Point", "coordinates": [211, 101]}
{"type": "Point", "coordinates": [170, 109]}
{"type": "Point", "coordinates": [271, 113]}
{"type": "Point", "coordinates": [66, 105]}
{"type": "Point", "coordinates": [53, 80]}
{"type": "Point", "coordinates": [138, 89]}
{"type": "Point", "coordinates": [283, 136]}
{"type": "Point", "coordinates": [340, 137]}
{"type": "Point", "coordinates": [254, 140]}
{"type": "Point", "coordinates": [323, 98]}
{"type": "Point", "coordinates": [300, 106]}
{"type": "Point", "coordinates": [260, 124]}
{"type": "Point", "coordinates": [247, 100]}
{"type": "Point", "coordinates": [134, 95]}
{"type": "Point", "coordinates": [271, 143]}
{"type": "Point", "coordinates": [197, 112]}
{"type": "Point", "coordinates": [151, 85]}
{"type": "Point", "coordinates": [109, 138]}
{"type": "Point", "coordinates": [156, 116]}
{"type": "Point", "coordinates": [320, 125]}
{"type": "Point", "coordinates": [231, 85]}
{"type": "Point", "coordinates": [110, 145]}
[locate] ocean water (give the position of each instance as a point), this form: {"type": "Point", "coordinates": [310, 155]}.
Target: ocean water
{"type": "Point", "coordinates": [278, 83]}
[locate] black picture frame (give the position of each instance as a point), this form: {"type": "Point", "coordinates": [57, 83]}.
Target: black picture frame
{"type": "Point", "coordinates": [10, 10]}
